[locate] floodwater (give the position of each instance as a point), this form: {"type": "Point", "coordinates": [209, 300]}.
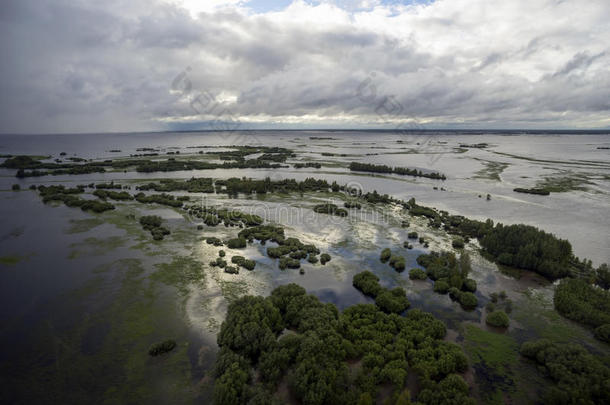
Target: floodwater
{"type": "Point", "coordinates": [83, 295]}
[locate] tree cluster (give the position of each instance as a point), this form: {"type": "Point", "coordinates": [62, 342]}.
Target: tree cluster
{"type": "Point", "coordinates": [580, 378]}
{"type": "Point", "coordinates": [527, 247]}
{"type": "Point", "coordinates": [153, 223]}
{"type": "Point", "coordinates": [293, 339]}
{"type": "Point", "coordinates": [389, 301]}
{"type": "Point", "coordinates": [372, 168]}
{"type": "Point", "coordinates": [580, 301]}
{"type": "Point", "coordinates": [450, 275]}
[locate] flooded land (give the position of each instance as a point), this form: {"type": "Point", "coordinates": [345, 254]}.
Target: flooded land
{"type": "Point", "coordinates": [121, 255]}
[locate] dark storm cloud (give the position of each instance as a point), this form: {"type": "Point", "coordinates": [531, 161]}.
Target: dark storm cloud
{"type": "Point", "coordinates": [83, 66]}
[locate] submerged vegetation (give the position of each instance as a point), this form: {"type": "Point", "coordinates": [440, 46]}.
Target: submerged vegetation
{"type": "Point", "coordinates": [314, 359]}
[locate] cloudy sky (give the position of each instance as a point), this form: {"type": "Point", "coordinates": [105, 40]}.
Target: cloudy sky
{"type": "Point", "coordinates": [138, 65]}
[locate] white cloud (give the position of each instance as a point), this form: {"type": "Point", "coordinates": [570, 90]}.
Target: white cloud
{"type": "Point", "coordinates": [81, 66]}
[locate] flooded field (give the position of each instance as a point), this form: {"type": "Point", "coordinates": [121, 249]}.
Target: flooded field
{"type": "Point", "coordinates": [84, 295]}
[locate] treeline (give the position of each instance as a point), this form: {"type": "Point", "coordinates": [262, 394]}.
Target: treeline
{"type": "Point", "coordinates": [580, 301]}
{"type": "Point", "coordinates": [371, 168]}
{"type": "Point", "coordinates": [580, 378]}
{"type": "Point", "coordinates": [450, 276]}
{"type": "Point", "coordinates": [520, 246]}
{"type": "Point", "coordinates": [192, 185]}
{"type": "Point", "coordinates": [27, 166]}
{"type": "Point", "coordinates": [538, 191]}
{"type": "Point", "coordinates": [527, 247]}
{"type": "Point", "coordinates": [314, 165]}
{"type": "Point", "coordinates": [313, 359]}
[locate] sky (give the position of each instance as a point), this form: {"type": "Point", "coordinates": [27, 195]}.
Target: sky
{"type": "Point", "coordinates": [156, 65]}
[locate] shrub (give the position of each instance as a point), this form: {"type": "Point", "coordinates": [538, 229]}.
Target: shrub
{"type": "Point", "coordinates": [162, 347]}
{"type": "Point", "coordinates": [16, 187]}
{"type": "Point", "coordinates": [385, 255]}
{"type": "Point", "coordinates": [468, 300]}
{"type": "Point", "coordinates": [469, 285]}
{"type": "Point", "coordinates": [213, 241]}
{"type": "Point", "coordinates": [441, 286]}
{"type": "Point", "coordinates": [392, 301]}
{"type": "Point", "coordinates": [397, 262]}
{"type": "Point", "coordinates": [368, 283]}
{"type": "Point", "coordinates": [221, 253]}
{"type": "Point", "coordinates": [236, 243]}
{"type": "Point", "coordinates": [498, 318]}
{"type": "Point", "coordinates": [312, 258]}
{"type": "Point", "coordinates": [324, 258]}
{"type": "Point", "coordinates": [417, 274]}
{"type": "Point", "coordinates": [231, 270]}
{"type": "Point", "coordinates": [287, 262]}
{"type": "Point", "coordinates": [458, 243]}
{"type": "Point", "coordinates": [412, 235]}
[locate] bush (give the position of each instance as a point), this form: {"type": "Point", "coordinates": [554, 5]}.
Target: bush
{"type": "Point", "coordinates": [368, 283]}
{"type": "Point", "coordinates": [162, 347]}
{"type": "Point", "coordinates": [324, 258]}
{"type": "Point", "coordinates": [231, 270]}
{"type": "Point", "coordinates": [289, 263]}
{"type": "Point", "coordinates": [221, 253]}
{"type": "Point", "coordinates": [417, 274]}
{"type": "Point", "coordinates": [498, 319]}
{"type": "Point", "coordinates": [236, 243]}
{"type": "Point", "coordinates": [398, 263]}
{"type": "Point", "coordinates": [16, 187]}
{"type": "Point", "coordinates": [392, 301]}
{"type": "Point", "coordinates": [468, 300]}
{"type": "Point", "coordinates": [312, 258]}
{"type": "Point", "coordinates": [441, 286]}
{"type": "Point", "coordinates": [243, 262]}
{"type": "Point", "coordinates": [214, 241]}
{"type": "Point", "coordinates": [469, 285]}
{"type": "Point", "coordinates": [412, 235]}
{"type": "Point", "coordinates": [385, 255]}
{"type": "Point", "coordinates": [458, 243]}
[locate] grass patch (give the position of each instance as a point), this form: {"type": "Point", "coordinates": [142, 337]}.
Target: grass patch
{"type": "Point", "coordinates": [564, 183]}
{"type": "Point", "coordinates": [96, 246]}
{"type": "Point", "coordinates": [491, 170]}
{"type": "Point", "coordinates": [232, 290]}
{"type": "Point", "coordinates": [84, 225]}
{"type": "Point", "coordinates": [494, 357]}
{"type": "Point", "coordinates": [180, 272]}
